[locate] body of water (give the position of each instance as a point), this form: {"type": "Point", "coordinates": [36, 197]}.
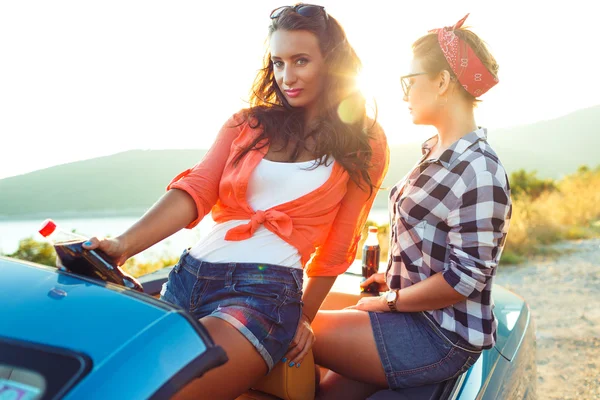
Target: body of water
{"type": "Point", "coordinates": [12, 232]}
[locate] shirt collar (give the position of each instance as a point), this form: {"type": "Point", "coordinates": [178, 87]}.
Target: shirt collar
{"type": "Point", "coordinates": [451, 154]}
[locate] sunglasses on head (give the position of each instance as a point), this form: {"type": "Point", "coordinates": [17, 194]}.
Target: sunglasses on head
{"type": "Point", "coordinates": [306, 10]}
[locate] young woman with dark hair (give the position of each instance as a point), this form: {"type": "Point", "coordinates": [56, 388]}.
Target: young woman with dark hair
{"type": "Point", "coordinates": [290, 182]}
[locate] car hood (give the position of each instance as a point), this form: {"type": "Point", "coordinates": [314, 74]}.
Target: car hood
{"type": "Point", "coordinates": [513, 317]}
{"type": "Point", "coordinates": [45, 306]}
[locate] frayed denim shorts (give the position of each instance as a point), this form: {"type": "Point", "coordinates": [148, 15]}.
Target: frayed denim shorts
{"type": "Point", "coordinates": [262, 301]}
{"type": "Point", "coordinates": [415, 350]}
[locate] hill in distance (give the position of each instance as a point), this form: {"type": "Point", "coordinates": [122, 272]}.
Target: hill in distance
{"type": "Point", "coordinates": [121, 184]}
{"type": "Point", "coordinates": [129, 183]}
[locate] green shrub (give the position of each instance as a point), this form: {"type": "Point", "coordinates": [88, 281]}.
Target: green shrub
{"type": "Point", "coordinates": [527, 183]}
{"type": "Point", "coordinates": [34, 251]}
{"type": "Point", "coordinates": [43, 253]}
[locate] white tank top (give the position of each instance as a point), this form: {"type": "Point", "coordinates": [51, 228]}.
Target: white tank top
{"type": "Point", "coordinates": [270, 184]}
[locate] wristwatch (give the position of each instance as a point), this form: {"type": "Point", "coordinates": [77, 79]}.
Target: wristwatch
{"type": "Point", "coordinates": [391, 296]}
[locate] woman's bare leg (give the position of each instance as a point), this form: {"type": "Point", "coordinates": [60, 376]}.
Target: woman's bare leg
{"type": "Point", "coordinates": [236, 376]}
{"type": "Point", "coordinates": [335, 386]}
{"type": "Point", "coordinates": [345, 345]}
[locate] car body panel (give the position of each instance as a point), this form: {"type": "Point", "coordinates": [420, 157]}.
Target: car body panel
{"type": "Point", "coordinates": [513, 316]}
{"type": "Point", "coordinates": [144, 363]}
{"type": "Point", "coordinates": [136, 344]}
{"type": "Point", "coordinates": [55, 308]}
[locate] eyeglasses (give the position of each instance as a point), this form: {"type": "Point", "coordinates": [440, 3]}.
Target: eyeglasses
{"type": "Point", "coordinates": [306, 10]}
{"type": "Point", "coordinates": [405, 80]}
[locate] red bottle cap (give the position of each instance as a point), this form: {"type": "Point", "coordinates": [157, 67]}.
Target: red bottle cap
{"type": "Point", "coordinates": [373, 229]}
{"type": "Point", "coordinates": [48, 226]}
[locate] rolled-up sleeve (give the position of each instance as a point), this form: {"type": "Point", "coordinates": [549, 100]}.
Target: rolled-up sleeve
{"type": "Point", "coordinates": [339, 250]}
{"type": "Point", "coordinates": [477, 229]}
{"type": "Point", "coordinates": [202, 181]}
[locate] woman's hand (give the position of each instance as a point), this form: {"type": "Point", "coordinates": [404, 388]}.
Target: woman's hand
{"type": "Point", "coordinates": [379, 279]}
{"type": "Point", "coordinates": [371, 303]}
{"type": "Point", "coordinates": [113, 247]}
{"type": "Point", "coordinates": [301, 344]}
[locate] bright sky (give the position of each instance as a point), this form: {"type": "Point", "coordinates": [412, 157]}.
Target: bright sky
{"type": "Point", "coordinates": [81, 79]}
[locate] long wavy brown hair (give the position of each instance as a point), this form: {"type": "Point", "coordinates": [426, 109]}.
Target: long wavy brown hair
{"type": "Point", "coordinates": [341, 130]}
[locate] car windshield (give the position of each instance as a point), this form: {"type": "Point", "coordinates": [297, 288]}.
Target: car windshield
{"type": "Point", "coordinates": [31, 371]}
{"type": "Point", "coordinates": [20, 383]}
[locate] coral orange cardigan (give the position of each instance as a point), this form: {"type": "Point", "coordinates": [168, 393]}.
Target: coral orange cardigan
{"type": "Point", "coordinates": [328, 219]}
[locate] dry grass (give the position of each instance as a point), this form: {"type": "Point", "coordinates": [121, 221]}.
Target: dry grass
{"type": "Point", "coordinates": [571, 212]}
{"type": "Point", "coordinates": [137, 269]}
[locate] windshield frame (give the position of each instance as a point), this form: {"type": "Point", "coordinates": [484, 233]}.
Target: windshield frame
{"type": "Point", "coordinates": [43, 359]}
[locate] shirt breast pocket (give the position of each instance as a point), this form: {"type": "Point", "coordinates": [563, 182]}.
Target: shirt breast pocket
{"type": "Point", "coordinates": [410, 233]}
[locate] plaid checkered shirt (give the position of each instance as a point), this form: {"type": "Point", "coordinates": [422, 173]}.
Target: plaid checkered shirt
{"type": "Point", "coordinates": [451, 215]}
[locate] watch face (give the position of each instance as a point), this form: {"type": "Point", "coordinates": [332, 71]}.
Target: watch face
{"type": "Point", "coordinates": [391, 296]}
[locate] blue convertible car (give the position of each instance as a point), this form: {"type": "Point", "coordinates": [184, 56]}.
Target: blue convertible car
{"type": "Point", "coordinates": [64, 336]}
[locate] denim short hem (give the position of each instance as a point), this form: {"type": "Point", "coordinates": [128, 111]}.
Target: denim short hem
{"type": "Point", "coordinates": [381, 349]}
{"type": "Point", "coordinates": [262, 301]}
{"type": "Point", "coordinates": [248, 335]}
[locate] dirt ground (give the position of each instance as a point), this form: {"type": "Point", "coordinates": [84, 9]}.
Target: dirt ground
{"type": "Point", "coordinates": [564, 296]}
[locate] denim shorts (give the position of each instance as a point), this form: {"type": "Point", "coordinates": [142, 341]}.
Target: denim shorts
{"type": "Point", "coordinates": [415, 350]}
{"type": "Point", "coordinates": [262, 301]}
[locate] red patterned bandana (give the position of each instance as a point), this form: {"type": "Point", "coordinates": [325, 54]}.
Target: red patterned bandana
{"type": "Point", "coordinates": [471, 73]}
